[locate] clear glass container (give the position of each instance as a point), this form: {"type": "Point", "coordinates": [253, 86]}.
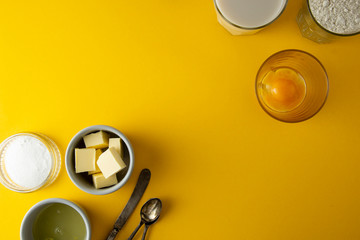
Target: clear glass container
{"type": "Point", "coordinates": [55, 162]}
{"type": "Point", "coordinates": [292, 85]}
{"type": "Point", "coordinates": [254, 8]}
{"type": "Point", "coordinates": [312, 29]}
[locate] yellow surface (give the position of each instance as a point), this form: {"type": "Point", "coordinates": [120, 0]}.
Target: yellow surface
{"type": "Point", "coordinates": [182, 89]}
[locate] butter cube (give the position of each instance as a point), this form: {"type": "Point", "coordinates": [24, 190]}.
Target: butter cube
{"type": "Point", "coordinates": [100, 181]}
{"type": "Point", "coordinates": [97, 155]}
{"type": "Point", "coordinates": [85, 159]}
{"type": "Point", "coordinates": [110, 162]}
{"type": "Point", "coordinates": [116, 143]}
{"type": "Point", "coordinates": [97, 140]}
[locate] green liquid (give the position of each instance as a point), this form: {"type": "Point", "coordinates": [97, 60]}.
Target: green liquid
{"type": "Point", "coordinates": [59, 222]}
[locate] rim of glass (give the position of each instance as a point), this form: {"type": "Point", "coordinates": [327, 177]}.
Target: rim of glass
{"type": "Point", "coordinates": [249, 28]}
{"type": "Point", "coordinates": [334, 33]}
{"type": "Point", "coordinates": [327, 85]}
{"type": "Point", "coordinates": [5, 179]}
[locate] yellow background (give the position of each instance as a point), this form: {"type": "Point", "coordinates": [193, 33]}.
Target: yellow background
{"type": "Point", "coordinates": [181, 88]}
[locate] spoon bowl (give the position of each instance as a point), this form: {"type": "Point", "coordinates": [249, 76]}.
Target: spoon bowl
{"type": "Point", "coordinates": [150, 213]}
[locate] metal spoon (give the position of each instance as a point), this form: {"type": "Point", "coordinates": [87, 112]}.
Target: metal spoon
{"type": "Point", "coordinates": [150, 213]}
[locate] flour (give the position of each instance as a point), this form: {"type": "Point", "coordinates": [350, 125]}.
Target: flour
{"type": "Point", "coordinates": [27, 161]}
{"type": "Point", "coordinates": [338, 16]}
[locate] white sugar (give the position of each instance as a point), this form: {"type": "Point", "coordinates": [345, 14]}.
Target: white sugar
{"type": "Point", "coordinates": [338, 16]}
{"type": "Point", "coordinates": [27, 161]}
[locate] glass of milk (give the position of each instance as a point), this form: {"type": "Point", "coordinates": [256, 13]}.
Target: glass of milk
{"type": "Point", "coordinates": [245, 17]}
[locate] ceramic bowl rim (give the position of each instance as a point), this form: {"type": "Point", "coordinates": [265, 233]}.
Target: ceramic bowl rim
{"type": "Point", "coordinates": [48, 201]}
{"type": "Point", "coordinates": [75, 140]}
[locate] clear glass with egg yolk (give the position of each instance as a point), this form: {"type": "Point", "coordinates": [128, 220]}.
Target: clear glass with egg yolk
{"type": "Point", "coordinates": [291, 85]}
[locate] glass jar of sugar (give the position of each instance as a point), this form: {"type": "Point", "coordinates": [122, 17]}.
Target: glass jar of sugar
{"type": "Point", "coordinates": [28, 162]}
{"type": "Point", "coordinates": [245, 17]}
{"type": "Point", "coordinates": [322, 21]}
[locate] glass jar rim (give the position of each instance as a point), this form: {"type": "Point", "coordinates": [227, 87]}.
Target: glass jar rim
{"type": "Point", "coordinates": [50, 145]}
{"type": "Point", "coordinates": [327, 30]}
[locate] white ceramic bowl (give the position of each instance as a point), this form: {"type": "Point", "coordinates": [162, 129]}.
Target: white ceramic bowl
{"type": "Point", "coordinates": [83, 180]}
{"type": "Point", "coordinates": [26, 229]}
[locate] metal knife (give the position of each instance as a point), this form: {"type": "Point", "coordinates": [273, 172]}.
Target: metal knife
{"type": "Point", "coordinates": [139, 190]}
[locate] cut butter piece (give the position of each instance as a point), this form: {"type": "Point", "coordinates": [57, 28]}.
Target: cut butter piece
{"type": "Point", "coordinates": [100, 181]}
{"type": "Point", "coordinates": [85, 159]}
{"type": "Point", "coordinates": [98, 152]}
{"type": "Point", "coordinates": [116, 143]}
{"type": "Point", "coordinates": [110, 162]}
{"type": "Point", "coordinates": [97, 140]}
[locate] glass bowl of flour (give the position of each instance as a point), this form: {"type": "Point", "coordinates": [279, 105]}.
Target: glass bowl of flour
{"type": "Point", "coordinates": [28, 162]}
{"type": "Point", "coordinates": [322, 21]}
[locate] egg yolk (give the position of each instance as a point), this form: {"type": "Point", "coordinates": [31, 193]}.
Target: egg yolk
{"type": "Point", "coordinates": [283, 89]}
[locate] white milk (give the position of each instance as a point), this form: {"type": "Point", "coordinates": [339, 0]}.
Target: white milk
{"type": "Point", "coordinates": [250, 13]}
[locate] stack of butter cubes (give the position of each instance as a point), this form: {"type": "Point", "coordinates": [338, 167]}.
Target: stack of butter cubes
{"type": "Point", "coordinates": [102, 158]}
